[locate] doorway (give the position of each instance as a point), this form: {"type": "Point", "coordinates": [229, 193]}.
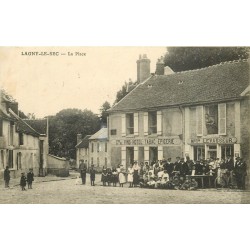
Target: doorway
{"type": "Point", "coordinates": [153, 154]}
{"type": "Point", "coordinates": [129, 156]}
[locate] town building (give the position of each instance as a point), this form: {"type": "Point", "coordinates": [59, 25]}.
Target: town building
{"type": "Point", "coordinates": [199, 114]}
{"type": "Point", "coordinates": [23, 143]}
{"type": "Point", "coordinates": [94, 149]}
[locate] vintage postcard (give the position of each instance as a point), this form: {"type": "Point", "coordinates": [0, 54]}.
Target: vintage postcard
{"type": "Point", "coordinates": [124, 125]}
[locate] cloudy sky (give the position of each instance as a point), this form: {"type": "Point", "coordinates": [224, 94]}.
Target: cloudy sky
{"type": "Point", "coordinates": [44, 85]}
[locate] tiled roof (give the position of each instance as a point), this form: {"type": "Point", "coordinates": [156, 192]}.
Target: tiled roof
{"type": "Point", "coordinates": [100, 135]}
{"type": "Point", "coordinates": [84, 143]}
{"type": "Point", "coordinates": [215, 83]}
{"type": "Point", "coordinates": [40, 125]}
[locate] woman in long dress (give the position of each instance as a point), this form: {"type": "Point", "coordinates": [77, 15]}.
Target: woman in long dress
{"type": "Point", "coordinates": [104, 176]}
{"type": "Point", "coordinates": [122, 178]}
{"type": "Point", "coordinates": [136, 177]}
{"type": "Point", "coordinates": [130, 176]}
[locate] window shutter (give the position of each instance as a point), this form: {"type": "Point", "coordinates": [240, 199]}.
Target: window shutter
{"type": "Point", "coordinates": [123, 124]}
{"type": "Point", "coordinates": [136, 124]}
{"type": "Point", "coordinates": [159, 123]}
{"type": "Point", "coordinates": [222, 118]}
{"type": "Point", "coordinates": [145, 123]}
{"type": "Point", "coordinates": [199, 120]}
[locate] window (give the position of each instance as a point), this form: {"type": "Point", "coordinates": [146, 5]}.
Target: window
{"type": "Point", "coordinates": [152, 122]}
{"type": "Point", "coordinates": [106, 146]}
{"type": "Point", "coordinates": [10, 158]}
{"type": "Point", "coordinates": [106, 162]}
{"type": "Point", "coordinates": [227, 150]}
{"type": "Point", "coordinates": [92, 161]}
{"type": "Point", "coordinates": [11, 133]}
{"type": "Point", "coordinates": [2, 159]}
{"type": "Point", "coordinates": [20, 138]}
{"type": "Point", "coordinates": [98, 147]}
{"type": "Point", "coordinates": [92, 148]}
{"type": "Point", "coordinates": [130, 124]}
{"type": "Point", "coordinates": [113, 131]}
{"type": "Point", "coordinates": [211, 119]}
{"type": "Point", "coordinates": [1, 127]}
{"type": "Point", "coordinates": [98, 162]}
{"type": "Point", "coordinates": [199, 153]}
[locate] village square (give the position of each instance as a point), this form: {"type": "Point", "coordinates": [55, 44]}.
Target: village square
{"type": "Point", "coordinates": [175, 135]}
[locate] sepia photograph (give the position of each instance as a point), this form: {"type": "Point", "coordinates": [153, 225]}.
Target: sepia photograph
{"type": "Point", "coordinates": [124, 125]}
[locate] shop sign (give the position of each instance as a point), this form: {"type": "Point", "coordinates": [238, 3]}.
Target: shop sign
{"type": "Point", "coordinates": [150, 141]}
{"type": "Point", "coordinates": [214, 140]}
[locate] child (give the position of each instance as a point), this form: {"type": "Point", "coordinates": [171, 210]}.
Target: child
{"type": "Point", "coordinates": [92, 175]}
{"type": "Point", "coordinates": [30, 178]}
{"type": "Point", "coordinates": [23, 182]}
{"type": "Point", "coordinates": [122, 178]}
{"type": "Point", "coordinates": [193, 184]}
{"type": "Point", "coordinates": [151, 183]}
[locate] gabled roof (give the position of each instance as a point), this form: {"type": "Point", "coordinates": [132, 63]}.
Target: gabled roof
{"type": "Point", "coordinates": [40, 125]}
{"type": "Point", "coordinates": [102, 134]}
{"type": "Point", "coordinates": [216, 83]}
{"type": "Point", "coordinates": [84, 143]}
{"type": "Point", "coordinates": [22, 126]}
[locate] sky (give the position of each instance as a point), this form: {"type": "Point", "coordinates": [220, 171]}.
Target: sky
{"type": "Point", "coordinates": [83, 78]}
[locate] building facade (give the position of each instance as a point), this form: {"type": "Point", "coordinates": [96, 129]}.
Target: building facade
{"type": "Point", "coordinates": [199, 113]}
{"type": "Point", "coordinates": [21, 146]}
{"type": "Point", "coordinates": [94, 149]}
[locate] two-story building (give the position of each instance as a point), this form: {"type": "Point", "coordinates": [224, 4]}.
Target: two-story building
{"type": "Point", "coordinates": [21, 145]}
{"type": "Point", "coordinates": [94, 149]}
{"type": "Point", "coordinates": [198, 113]}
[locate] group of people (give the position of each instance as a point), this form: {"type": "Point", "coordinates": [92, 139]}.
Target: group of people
{"type": "Point", "coordinates": [23, 180]}
{"type": "Point", "coordinates": [180, 174]}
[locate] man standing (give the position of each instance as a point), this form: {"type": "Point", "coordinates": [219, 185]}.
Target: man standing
{"type": "Point", "coordinates": [83, 171]}
{"type": "Point", "coordinates": [169, 167]}
{"type": "Point", "coordinates": [30, 178]}
{"type": "Point", "coordinates": [240, 173]}
{"type": "Point", "coordinates": [92, 175]}
{"type": "Point", "coordinates": [7, 176]}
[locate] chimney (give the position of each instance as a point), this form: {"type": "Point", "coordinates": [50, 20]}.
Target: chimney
{"type": "Point", "coordinates": [143, 68]}
{"type": "Point", "coordinates": [79, 138]}
{"type": "Point", "coordinates": [160, 67]}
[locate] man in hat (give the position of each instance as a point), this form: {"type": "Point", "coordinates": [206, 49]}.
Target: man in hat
{"type": "Point", "coordinates": [30, 178]}
{"type": "Point", "coordinates": [169, 167]}
{"type": "Point", "coordinates": [83, 171]}
{"type": "Point", "coordinates": [240, 172]}
{"type": "Point", "coordinates": [6, 176]}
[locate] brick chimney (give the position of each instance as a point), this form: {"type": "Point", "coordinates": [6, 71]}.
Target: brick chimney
{"type": "Point", "coordinates": [160, 67]}
{"type": "Point", "coordinates": [143, 68]}
{"type": "Point", "coordinates": [79, 138]}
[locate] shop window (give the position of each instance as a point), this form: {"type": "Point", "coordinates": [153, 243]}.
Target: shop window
{"type": "Point", "coordinates": [227, 150]}
{"type": "Point", "coordinates": [199, 153]}
{"type": "Point", "coordinates": [113, 132]}
{"type": "Point", "coordinates": [130, 124]}
{"type": "Point", "coordinates": [152, 122]}
{"type": "Point", "coordinates": [211, 119]}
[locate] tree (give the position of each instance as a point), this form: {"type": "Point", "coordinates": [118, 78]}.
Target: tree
{"type": "Point", "coordinates": [105, 106]}
{"type": "Point", "coordinates": [126, 88]}
{"type": "Point", "coordinates": [188, 58]}
{"type": "Point", "coordinates": [64, 127]}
